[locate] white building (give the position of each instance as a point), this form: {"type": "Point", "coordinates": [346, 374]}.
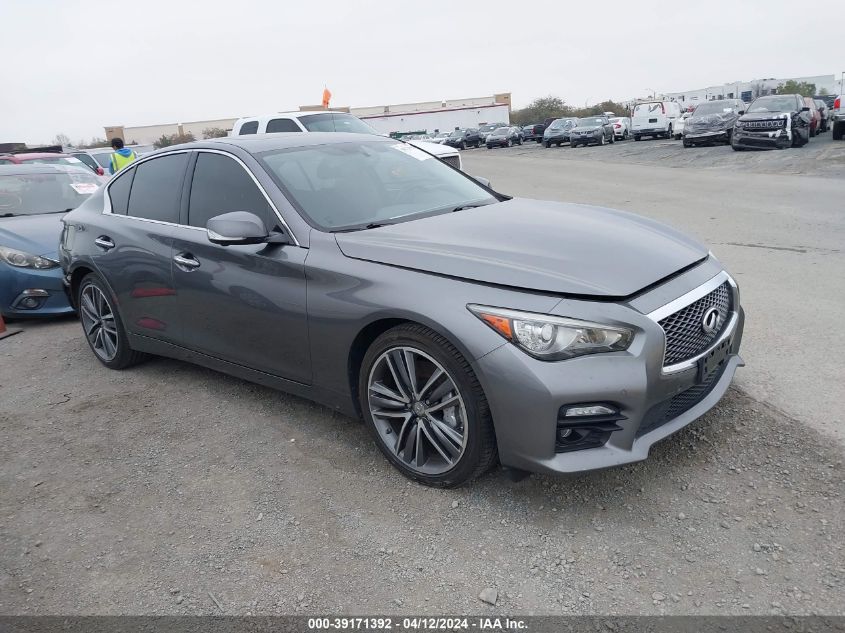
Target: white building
{"type": "Point", "coordinates": [426, 116]}
{"type": "Point", "coordinates": [437, 116]}
{"type": "Point", "coordinates": [750, 90]}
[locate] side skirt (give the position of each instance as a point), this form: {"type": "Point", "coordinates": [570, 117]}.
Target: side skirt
{"type": "Point", "coordinates": [330, 399]}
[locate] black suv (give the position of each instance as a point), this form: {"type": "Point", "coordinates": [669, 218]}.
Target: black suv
{"type": "Point", "coordinates": [773, 121]}
{"type": "Point", "coordinates": [463, 138]}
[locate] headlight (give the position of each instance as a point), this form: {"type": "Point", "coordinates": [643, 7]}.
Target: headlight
{"type": "Point", "coordinates": [19, 259]}
{"type": "Point", "coordinates": [548, 337]}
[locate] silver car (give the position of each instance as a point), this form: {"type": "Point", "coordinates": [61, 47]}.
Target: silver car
{"type": "Point", "coordinates": [465, 326]}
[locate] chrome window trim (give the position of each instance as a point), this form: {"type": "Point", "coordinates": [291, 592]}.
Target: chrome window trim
{"type": "Point", "coordinates": [691, 297]}
{"type": "Point", "coordinates": [107, 208]}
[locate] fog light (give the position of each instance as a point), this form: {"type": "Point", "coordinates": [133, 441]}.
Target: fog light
{"type": "Point", "coordinates": [562, 434]}
{"type": "Point", "coordinates": [590, 410]}
{"type": "Point", "coordinates": [29, 302]}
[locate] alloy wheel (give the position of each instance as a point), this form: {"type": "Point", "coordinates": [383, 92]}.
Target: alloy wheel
{"type": "Point", "coordinates": [417, 409]}
{"type": "Point", "coordinates": [98, 322]}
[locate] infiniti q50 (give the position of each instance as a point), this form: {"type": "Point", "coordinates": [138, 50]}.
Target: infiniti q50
{"type": "Point", "coordinates": [464, 326]}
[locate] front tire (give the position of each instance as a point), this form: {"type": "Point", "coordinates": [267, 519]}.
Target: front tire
{"type": "Point", "coordinates": [838, 130]}
{"type": "Point", "coordinates": [462, 146]}
{"type": "Point", "coordinates": [102, 325]}
{"type": "Point", "coordinates": [426, 408]}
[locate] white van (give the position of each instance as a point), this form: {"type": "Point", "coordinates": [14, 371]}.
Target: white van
{"type": "Point", "coordinates": [655, 118]}
{"type": "Point", "coordinates": [330, 121]}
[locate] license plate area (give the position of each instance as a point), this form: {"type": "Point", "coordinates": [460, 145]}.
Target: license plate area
{"type": "Point", "coordinates": [713, 361]}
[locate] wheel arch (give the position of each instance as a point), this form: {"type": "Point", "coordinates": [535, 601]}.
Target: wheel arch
{"type": "Point", "coordinates": [378, 326]}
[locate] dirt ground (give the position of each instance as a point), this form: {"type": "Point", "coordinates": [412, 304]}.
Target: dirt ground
{"type": "Point", "coordinates": [146, 491]}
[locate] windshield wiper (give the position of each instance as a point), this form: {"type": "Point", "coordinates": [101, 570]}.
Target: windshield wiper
{"type": "Point", "coordinates": [61, 211]}
{"type": "Point", "coordinates": [464, 207]}
{"type": "Point", "coordinates": [7, 215]}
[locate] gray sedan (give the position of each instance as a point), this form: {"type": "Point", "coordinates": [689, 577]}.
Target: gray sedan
{"type": "Point", "coordinates": [466, 327]}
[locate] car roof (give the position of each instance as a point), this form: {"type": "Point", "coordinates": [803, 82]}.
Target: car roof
{"type": "Point", "coordinates": [257, 143]}
{"type": "Point", "coordinates": [34, 155]}
{"type": "Point", "coordinates": [42, 168]}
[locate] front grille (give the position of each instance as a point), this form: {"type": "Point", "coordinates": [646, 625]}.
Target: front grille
{"type": "Point", "coordinates": [767, 125]}
{"type": "Point", "coordinates": [454, 161]}
{"type": "Point", "coordinates": [670, 409]}
{"type": "Point", "coordinates": [685, 335]}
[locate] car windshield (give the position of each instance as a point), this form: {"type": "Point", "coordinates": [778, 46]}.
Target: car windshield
{"type": "Point", "coordinates": [648, 108]}
{"type": "Point", "coordinates": [53, 160]}
{"type": "Point", "coordinates": [457, 133]}
{"type": "Point", "coordinates": [487, 128]}
{"type": "Point", "coordinates": [773, 104]}
{"type": "Point", "coordinates": [103, 159]}
{"type": "Point", "coordinates": [500, 131]}
{"type": "Point", "coordinates": [715, 107]}
{"type": "Point", "coordinates": [335, 122]}
{"type": "Point", "coordinates": [34, 193]}
{"type": "Point", "coordinates": [352, 186]}
{"type": "Point", "coordinates": [590, 122]}
{"type": "Point", "coordinates": [561, 123]}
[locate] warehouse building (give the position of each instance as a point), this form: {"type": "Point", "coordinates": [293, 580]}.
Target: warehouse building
{"type": "Point", "coordinates": [426, 116]}
{"type": "Point", "coordinates": [750, 90]}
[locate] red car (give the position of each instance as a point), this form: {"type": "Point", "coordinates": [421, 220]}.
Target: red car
{"type": "Point", "coordinates": [815, 116]}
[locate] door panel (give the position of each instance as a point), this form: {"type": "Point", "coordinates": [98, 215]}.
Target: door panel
{"type": "Point", "coordinates": [244, 304]}
{"type": "Point", "coordinates": [138, 269]}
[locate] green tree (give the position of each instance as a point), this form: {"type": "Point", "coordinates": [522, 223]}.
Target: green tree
{"type": "Point", "coordinates": [823, 92]}
{"type": "Point", "coordinates": [803, 88]}
{"type": "Point", "coordinates": [539, 110]}
{"type": "Point", "coordinates": [214, 132]}
{"type": "Point", "coordinates": [173, 139]}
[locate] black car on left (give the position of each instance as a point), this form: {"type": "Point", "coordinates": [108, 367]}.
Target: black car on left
{"type": "Point", "coordinates": [773, 122]}
{"type": "Point", "coordinates": [504, 137]}
{"type": "Point", "coordinates": [463, 138]}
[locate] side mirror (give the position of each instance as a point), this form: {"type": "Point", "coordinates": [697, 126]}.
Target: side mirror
{"type": "Point", "coordinates": [101, 171]}
{"type": "Point", "coordinates": [805, 109]}
{"type": "Point", "coordinates": [483, 181]}
{"type": "Point", "coordinates": [740, 112]}
{"type": "Point", "coordinates": [236, 228]}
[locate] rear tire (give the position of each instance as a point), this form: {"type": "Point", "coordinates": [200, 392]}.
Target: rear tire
{"type": "Point", "coordinates": [838, 130]}
{"type": "Point", "coordinates": [637, 137]}
{"type": "Point", "coordinates": [469, 420]}
{"type": "Point", "coordinates": [102, 325]}
{"type": "Point", "coordinates": [462, 146]}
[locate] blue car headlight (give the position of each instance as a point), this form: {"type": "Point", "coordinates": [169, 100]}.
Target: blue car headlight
{"type": "Point", "coordinates": [20, 259]}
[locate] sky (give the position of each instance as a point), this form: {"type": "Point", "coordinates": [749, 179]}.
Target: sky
{"type": "Point", "coordinates": [74, 66]}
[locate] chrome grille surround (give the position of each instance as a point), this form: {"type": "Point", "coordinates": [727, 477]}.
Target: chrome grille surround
{"type": "Point", "coordinates": [681, 319]}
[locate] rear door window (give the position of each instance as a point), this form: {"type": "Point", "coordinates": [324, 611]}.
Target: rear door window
{"type": "Point", "coordinates": [157, 188]}
{"type": "Point", "coordinates": [282, 125]}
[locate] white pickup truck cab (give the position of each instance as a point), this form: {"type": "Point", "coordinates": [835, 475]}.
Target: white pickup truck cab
{"type": "Point", "coordinates": [330, 121]}
{"type": "Point", "coordinates": [655, 119]}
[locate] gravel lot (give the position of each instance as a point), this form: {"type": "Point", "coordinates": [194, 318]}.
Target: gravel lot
{"type": "Point", "coordinates": [172, 489]}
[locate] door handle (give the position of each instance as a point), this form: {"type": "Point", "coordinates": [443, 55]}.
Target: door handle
{"type": "Point", "coordinates": [186, 262]}
{"type": "Point", "coordinates": [104, 242]}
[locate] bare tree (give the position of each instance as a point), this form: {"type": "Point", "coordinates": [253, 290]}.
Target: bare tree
{"type": "Point", "coordinates": [61, 139]}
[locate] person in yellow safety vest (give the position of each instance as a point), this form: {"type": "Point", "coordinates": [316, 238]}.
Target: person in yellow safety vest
{"type": "Point", "coordinates": [122, 156]}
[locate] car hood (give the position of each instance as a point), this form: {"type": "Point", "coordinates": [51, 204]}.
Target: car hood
{"type": "Point", "coordinates": [536, 245]}
{"type": "Point", "coordinates": [34, 234]}
{"type": "Point", "coordinates": [434, 148]}
{"type": "Point", "coordinates": [716, 122]}
{"type": "Point", "coordinates": [765, 116]}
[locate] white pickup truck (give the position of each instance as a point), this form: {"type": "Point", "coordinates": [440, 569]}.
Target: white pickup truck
{"type": "Point", "coordinates": [837, 117]}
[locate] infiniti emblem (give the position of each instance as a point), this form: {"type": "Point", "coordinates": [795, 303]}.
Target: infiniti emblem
{"type": "Point", "coordinates": [710, 321]}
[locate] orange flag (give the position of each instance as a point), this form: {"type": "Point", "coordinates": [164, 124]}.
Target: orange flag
{"type": "Point", "coordinates": [326, 96]}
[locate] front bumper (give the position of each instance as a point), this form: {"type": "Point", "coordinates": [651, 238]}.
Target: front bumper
{"type": "Point", "coordinates": [761, 139]}
{"type": "Point", "coordinates": [18, 284]}
{"type": "Point", "coordinates": [526, 396]}
{"type": "Point", "coordinates": [585, 139]}
{"type": "Point", "coordinates": [712, 136]}
{"type": "Point", "coordinates": [650, 131]}
{"type": "Point", "coordinates": [497, 142]}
